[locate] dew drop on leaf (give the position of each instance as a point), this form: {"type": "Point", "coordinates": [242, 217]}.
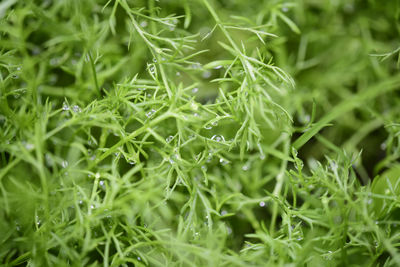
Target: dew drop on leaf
{"type": "Point", "coordinates": [76, 109]}
{"type": "Point", "coordinates": [64, 164]}
{"type": "Point", "coordinates": [169, 139]}
{"type": "Point", "coordinates": [65, 106]}
{"type": "Point", "coordinates": [150, 113]}
{"type": "Point", "coordinates": [218, 138]}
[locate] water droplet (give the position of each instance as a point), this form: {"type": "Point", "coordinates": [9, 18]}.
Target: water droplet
{"type": "Point", "coordinates": [65, 106]}
{"type": "Point", "coordinates": [29, 146]}
{"type": "Point", "coordinates": [204, 168]}
{"type": "Point", "coordinates": [38, 222]}
{"type": "Point", "coordinates": [218, 67]}
{"type": "Point", "coordinates": [208, 127]}
{"type": "Point", "coordinates": [383, 146]}
{"type": "Point", "coordinates": [173, 25]}
{"type": "Point", "coordinates": [152, 69]}
{"type": "Point", "coordinates": [229, 230]}
{"type": "Point", "coordinates": [92, 142]}
{"type": "Point", "coordinates": [246, 167]}
{"type": "Point", "coordinates": [64, 164]}
{"type": "Point", "coordinates": [262, 204]}
{"type": "Point", "coordinates": [214, 123]}
{"type": "Point", "coordinates": [143, 24]}
{"type": "Point", "coordinates": [299, 164]}
{"type": "Point", "coordinates": [206, 74]}
{"type": "Point", "coordinates": [19, 68]}
{"type": "Point", "coordinates": [176, 156]}
{"type": "Point", "coordinates": [49, 160]}
{"type": "Point", "coordinates": [218, 138]}
{"type": "Point", "coordinates": [54, 61]}
{"type": "Point", "coordinates": [171, 161]}
{"type": "Point", "coordinates": [80, 202]}
{"type": "Point", "coordinates": [196, 65]}
{"type": "Point", "coordinates": [169, 139]}
{"type": "Point", "coordinates": [224, 212]}
{"type": "Point", "coordinates": [194, 106]}
{"type": "Point", "coordinates": [333, 165]}
{"type": "Point", "coordinates": [139, 259]}
{"type": "Point", "coordinates": [36, 50]}
{"type": "Point", "coordinates": [178, 73]}
{"type": "Point", "coordinates": [76, 109]}
{"type": "Point", "coordinates": [150, 113]}
{"type": "Point", "coordinates": [14, 76]}
{"type": "Point", "coordinates": [91, 206]}
{"type": "Point", "coordinates": [285, 9]}
{"type": "Point", "coordinates": [195, 90]}
{"type": "Point", "coordinates": [223, 161]}
{"type": "Point", "coordinates": [131, 162]}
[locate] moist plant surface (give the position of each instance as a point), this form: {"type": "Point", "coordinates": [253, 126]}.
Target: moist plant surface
{"type": "Point", "coordinates": [199, 133]}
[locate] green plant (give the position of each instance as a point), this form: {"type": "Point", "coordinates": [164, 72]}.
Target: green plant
{"type": "Point", "coordinates": [199, 133]}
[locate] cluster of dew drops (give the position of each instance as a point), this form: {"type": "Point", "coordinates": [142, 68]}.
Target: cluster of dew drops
{"type": "Point", "coordinates": [73, 108]}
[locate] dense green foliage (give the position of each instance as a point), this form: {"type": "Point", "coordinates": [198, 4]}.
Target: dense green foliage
{"type": "Point", "coordinates": [199, 133]}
